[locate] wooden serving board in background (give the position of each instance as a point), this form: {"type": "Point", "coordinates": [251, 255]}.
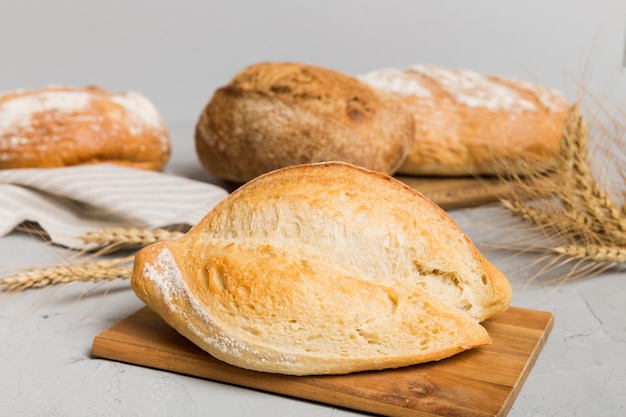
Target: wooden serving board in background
{"type": "Point", "coordinates": [478, 383]}
{"type": "Point", "coordinates": [458, 192]}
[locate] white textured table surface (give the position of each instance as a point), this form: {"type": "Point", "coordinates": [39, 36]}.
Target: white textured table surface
{"type": "Point", "coordinates": [46, 335]}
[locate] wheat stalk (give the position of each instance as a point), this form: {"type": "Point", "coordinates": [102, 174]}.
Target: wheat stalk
{"type": "Point", "coordinates": [583, 222]}
{"type": "Point", "coordinates": [107, 240]}
{"type": "Point", "coordinates": [103, 270]}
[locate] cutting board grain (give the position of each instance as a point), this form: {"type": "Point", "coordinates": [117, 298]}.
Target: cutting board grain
{"type": "Point", "coordinates": [461, 192]}
{"type": "Point", "coordinates": [478, 383]}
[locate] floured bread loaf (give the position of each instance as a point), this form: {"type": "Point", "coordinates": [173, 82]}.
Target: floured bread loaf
{"type": "Point", "coordinates": [63, 126]}
{"type": "Point", "coordinates": [272, 115]}
{"type": "Point", "coordinates": [323, 269]}
{"type": "Point", "coordinates": [467, 123]}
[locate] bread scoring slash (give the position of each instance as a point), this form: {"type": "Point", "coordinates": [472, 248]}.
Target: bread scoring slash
{"type": "Point", "coordinates": [323, 268]}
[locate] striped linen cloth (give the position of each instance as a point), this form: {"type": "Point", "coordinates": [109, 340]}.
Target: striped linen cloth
{"type": "Point", "coordinates": [69, 202]}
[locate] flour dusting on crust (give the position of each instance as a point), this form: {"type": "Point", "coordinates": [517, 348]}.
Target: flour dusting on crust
{"type": "Point", "coordinates": [466, 87]}
{"type": "Point", "coordinates": [551, 99]}
{"type": "Point", "coordinates": [139, 110]}
{"type": "Point", "coordinates": [62, 125]}
{"type": "Point", "coordinates": [395, 80]}
{"type": "Point", "coordinates": [17, 113]}
{"type": "Point", "coordinates": [164, 273]}
{"type": "Point", "coordinates": [475, 90]}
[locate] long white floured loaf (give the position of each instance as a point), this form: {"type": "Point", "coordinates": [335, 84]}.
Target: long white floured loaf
{"type": "Point", "coordinates": [323, 269]}
{"type": "Point", "coordinates": [468, 123]}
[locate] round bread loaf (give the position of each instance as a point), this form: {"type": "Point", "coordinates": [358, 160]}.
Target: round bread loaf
{"type": "Point", "coordinates": [273, 115]}
{"type": "Point", "coordinates": [63, 126]}
{"type": "Point", "coordinates": [467, 123]}
{"type": "Point", "coordinates": [320, 269]}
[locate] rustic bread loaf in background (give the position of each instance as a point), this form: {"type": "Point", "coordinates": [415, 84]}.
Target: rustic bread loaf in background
{"type": "Point", "coordinates": [273, 115]}
{"type": "Point", "coordinates": [323, 269]}
{"type": "Point", "coordinates": [63, 126]}
{"type": "Point", "coordinates": [467, 123]}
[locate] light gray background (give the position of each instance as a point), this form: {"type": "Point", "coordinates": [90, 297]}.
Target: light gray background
{"type": "Point", "coordinates": [178, 52]}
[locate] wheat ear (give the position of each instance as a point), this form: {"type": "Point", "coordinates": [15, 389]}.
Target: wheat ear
{"type": "Point", "coordinates": [107, 240]}
{"type": "Point", "coordinates": [616, 254]}
{"type": "Point", "coordinates": [602, 213]}
{"type": "Point", "coordinates": [580, 219]}
{"type": "Point", "coordinates": [103, 270]}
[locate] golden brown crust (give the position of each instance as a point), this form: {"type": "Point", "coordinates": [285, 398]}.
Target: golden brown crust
{"type": "Point", "coordinates": [323, 268]}
{"type": "Point", "coordinates": [63, 126]}
{"type": "Point", "coordinates": [467, 123]}
{"type": "Point", "coordinates": [273, 115]}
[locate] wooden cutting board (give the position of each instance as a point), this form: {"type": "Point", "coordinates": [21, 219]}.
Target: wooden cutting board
{"type": "Point", "coordinates": [477, 383]}
{"type": "Point", "coordinates": [458, 192]}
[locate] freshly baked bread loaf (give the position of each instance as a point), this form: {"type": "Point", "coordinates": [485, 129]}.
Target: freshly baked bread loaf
{"type": "Point", "coordinates": [63, 126]}
{"type": "Point", "coordinates": [273, 115]}
{"type": "Point", "coordinates": [467, 123]}
{"type": "Point", "coordinates": [323, 269]}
